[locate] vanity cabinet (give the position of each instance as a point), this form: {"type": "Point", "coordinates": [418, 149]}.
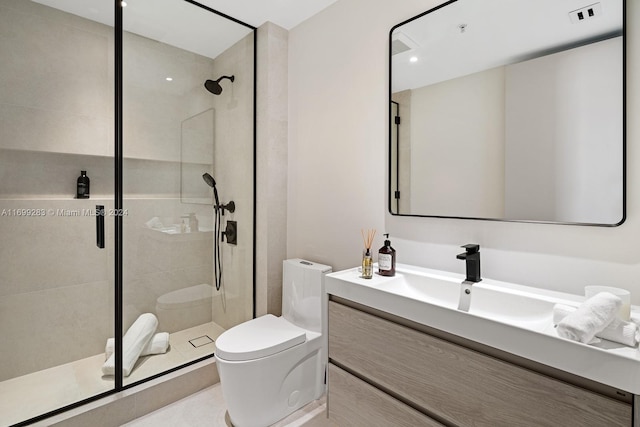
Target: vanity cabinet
{"type": "Point", "coordinates": [356, 402]}
{"type": "Point", "coordinates": [385, 373]}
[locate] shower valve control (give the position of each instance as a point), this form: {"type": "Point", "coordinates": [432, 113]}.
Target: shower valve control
{"type": "Point", "coordinates": [231, 232]}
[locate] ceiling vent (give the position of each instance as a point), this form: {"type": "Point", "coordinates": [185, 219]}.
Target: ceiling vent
{"type": "Point", "coordinates": [400, 42]}
{"type": "Point", "coordinates": [586, 13]}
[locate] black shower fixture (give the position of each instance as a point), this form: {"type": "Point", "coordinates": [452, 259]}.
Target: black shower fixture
{"type": "Point", "coordinates": [231, 206]}
{"type": "Point", "coordinates": [214, 87]}
{"type": "Point", "coordinates": [212, 183]}
{"type": "Point", "coordinates": [217, 231]}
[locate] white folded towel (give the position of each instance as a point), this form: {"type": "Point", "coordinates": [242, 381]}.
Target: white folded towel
{"type": "Point", "coordinates": [133, 342]}
{"type": "Point", "coordinates": [590, 318]}
{"type": "Point", "coordinates": [154, 223]}
{"type": "Point", "coordinates": [618, 330]}
{"type": "Point", "coordinates": [159, 344]}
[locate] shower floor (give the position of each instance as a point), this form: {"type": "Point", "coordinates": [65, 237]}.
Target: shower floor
{"type": "Point", "coordinates": [34, 394]}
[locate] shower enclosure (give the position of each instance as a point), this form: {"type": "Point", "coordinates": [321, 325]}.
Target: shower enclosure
{"type": "Point", "coordinates": [118, 90]}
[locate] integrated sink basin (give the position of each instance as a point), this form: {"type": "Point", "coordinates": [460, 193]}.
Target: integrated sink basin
{"type": "Point", "coordinates": [513, 305]}
{"type": "Point", "coordinates": [513, 318]}
{"type": "Point", "coordinates": [433, 289]}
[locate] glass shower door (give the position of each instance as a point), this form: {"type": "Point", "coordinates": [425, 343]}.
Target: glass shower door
{"type": "Point", "coordinates": [56, 282]}
{"type": "Point", "coordinates": [77, 273]}
{"type": "Point", "coordinates": [188, 96]}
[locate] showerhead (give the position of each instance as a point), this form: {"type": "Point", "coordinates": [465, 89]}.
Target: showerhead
{"type": "Point", "coordinates": [212, 183]}
{"type": "Point", "coordinates": [214, 87]}
{"type": "Point", "coordinates": [209, 180]}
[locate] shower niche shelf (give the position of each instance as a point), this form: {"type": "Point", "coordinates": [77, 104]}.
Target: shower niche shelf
{"type": "Point", "coordinates": [169, 234]}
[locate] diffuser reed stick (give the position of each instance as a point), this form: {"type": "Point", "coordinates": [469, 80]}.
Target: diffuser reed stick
{"type": "Point", "coordinates": [368, 240]}
{"type": "Point", "coordinates": [367, 260]}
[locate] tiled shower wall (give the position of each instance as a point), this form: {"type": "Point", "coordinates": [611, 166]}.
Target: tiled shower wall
{"type": "Point", "coordinates": [233, 172]}
{"type": "Point", "coordinates": [56, 118]}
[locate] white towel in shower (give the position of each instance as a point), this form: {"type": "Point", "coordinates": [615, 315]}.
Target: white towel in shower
{"type": "Point", "coordinates": [159, 344]}
{"type": "Point", "coordinates": [590, 318]}
{"type": "Point", "coordinates": [618, 330]}
{"type": "Point", "coordinates": [154, 223]}
{"type": "Point", "coordinates": [133, 342]}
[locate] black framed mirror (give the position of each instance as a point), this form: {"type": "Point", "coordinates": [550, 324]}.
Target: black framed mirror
{"type": "Point", "coordinates": [509, 110]}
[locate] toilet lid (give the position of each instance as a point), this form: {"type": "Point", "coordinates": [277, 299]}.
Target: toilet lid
{"type": "Point", "coordinates": [260, 337]}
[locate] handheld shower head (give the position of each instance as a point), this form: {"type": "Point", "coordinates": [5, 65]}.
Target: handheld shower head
{"type": "Point", "coordinates": [212, 183]}
{"type": "Point", "coordinates": [214, 87]}
{"type": "Point", "coordinates": [209, 180]}
{"type": "Point", "coordinates": [219, 211]}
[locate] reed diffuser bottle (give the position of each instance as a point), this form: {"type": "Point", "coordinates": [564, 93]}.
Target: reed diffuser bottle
{"type": "Point", "coordinates": [367, 259]}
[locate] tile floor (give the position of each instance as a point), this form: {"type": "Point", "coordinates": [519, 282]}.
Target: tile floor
{"type": "Point", "coordinates": [207, 409]}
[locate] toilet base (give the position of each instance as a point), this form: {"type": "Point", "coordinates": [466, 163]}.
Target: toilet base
{"type": "Point", "coordinates": [262, 391]}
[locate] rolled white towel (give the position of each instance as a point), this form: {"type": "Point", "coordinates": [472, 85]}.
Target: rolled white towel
{"type": "Point", "coordinates": [560, 311]}
{"type": "Point", "coordinates": [159, 344]}
{"type": "Point", "coordinates": [618, 330]}
{"type": "Point", "coordinates": [590, 318]}
{"type": "Point", "coordinates": [134, 341]}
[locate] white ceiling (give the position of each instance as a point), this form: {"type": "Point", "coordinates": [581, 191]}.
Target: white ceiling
{"type": "Point", "coordinates": [285, 13]}
{"type": "Point", "coordinates": [181, 24]}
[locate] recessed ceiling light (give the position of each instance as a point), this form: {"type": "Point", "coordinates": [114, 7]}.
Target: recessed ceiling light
{"type": "Point", "coordinates": [413, 59]}
{"type": "Point", "coordinates": [169, 79]}
{"type": "Point", "coordinates": [123, 3]}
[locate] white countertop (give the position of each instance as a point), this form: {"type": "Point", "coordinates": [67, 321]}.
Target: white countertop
{"type": "Point", "coordinates": [531, 336]}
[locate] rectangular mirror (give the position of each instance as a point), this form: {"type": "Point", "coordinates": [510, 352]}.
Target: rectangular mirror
{"type": "Point", "coordinates": [509, 110]}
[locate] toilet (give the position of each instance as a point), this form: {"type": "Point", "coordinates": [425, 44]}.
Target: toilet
{"type": "Point", "coordinates": [184, 308]}
{"type": "Point", "coordinates": [271, 366]}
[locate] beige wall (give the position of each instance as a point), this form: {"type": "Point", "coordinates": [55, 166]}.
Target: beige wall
{"type": "Point", "coordinates": [338, 88]}
{"type": "Point", "coordinates": [271, 167]}
{"type": "Point", "coordinates": [35, 114]}
{"type": "Point", "coordinates": [338, 107]}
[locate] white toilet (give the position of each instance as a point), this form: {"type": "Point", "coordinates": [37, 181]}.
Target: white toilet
{"type": "Point", "coordinates": [271, 366]}
{"type": "Point", "coordinates": [184, 308]}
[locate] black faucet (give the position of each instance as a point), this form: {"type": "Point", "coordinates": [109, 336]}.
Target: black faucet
{"type": "Point", "coordinates": [472, 258]}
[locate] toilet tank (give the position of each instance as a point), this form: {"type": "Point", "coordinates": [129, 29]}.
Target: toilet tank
{"type": "Point", "coordinates": [302, 292]}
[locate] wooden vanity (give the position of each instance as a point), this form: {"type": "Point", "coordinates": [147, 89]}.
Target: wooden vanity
{"type": "Point", "coordinates": [385, 370]}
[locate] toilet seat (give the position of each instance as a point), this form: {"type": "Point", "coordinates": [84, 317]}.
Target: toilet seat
{"type": "Point", "coordinates": [260, 337]}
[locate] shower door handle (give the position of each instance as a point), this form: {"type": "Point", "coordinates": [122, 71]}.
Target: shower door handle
{"type": "Point", "coordinates": [100, 226]}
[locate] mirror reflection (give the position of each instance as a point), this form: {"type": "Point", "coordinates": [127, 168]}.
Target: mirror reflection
{"type": "Point", "coordinates": [509, 110]}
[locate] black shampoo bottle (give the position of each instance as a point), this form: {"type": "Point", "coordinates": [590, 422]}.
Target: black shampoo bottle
{"type": "Point", "coordinates": [82, 191]}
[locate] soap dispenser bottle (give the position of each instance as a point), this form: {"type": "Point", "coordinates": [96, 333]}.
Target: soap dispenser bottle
{"type": "Point", "coordinates": [193, 223]}
{"type": "Point", "coordinates": [387, 259]}
{"type": "Point", "coordinates": [82, 191]}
